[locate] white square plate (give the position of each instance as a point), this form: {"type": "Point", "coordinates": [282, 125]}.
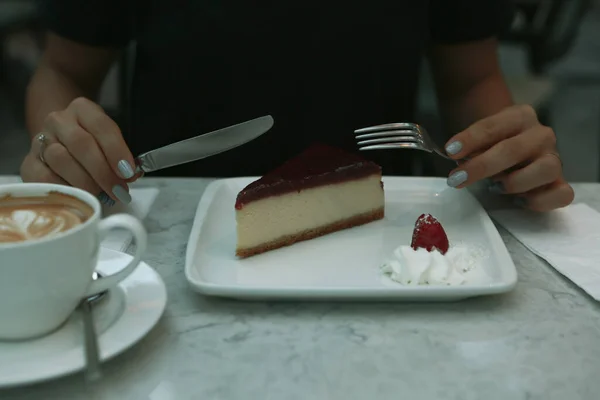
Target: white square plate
{"type": "Point", "coordinates": [344, 265]}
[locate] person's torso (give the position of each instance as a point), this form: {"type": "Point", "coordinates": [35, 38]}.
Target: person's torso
{"type": "Point", "coordinates": [321, 68]}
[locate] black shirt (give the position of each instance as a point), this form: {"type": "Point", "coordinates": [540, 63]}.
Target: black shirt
{"type": "Point", "coordinates": [321, 68]}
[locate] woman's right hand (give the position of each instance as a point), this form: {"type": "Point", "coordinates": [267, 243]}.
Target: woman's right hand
{"type": "Point", "coordinates": [84, 148]}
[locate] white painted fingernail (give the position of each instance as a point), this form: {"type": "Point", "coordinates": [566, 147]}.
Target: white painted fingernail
{"type": "Point", "coordinates": [125, 169]}
{"type": "Point", "coordinates": [105, 199]}
{"type": "Point", "coordinates": [457, 178]}
{"type": "Point", "coordinates": [454, 148]}
{"type": "Point", "coordinates": [121, 194]}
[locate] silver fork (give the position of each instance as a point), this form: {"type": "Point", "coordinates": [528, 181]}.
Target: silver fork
{"type": "Point", "coordinates": [402, 135]}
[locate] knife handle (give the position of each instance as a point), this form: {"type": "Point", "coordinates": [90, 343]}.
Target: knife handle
{"type": "Point", "coordinates": [139, 169]}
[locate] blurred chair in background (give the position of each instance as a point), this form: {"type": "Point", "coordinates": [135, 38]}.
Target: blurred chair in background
{"type": "Point", "coordinates": [547, 29]}
{"type": "Point", "coordinates": [18, 22]}
{"type": "Point", "coordinates": [15, 16]}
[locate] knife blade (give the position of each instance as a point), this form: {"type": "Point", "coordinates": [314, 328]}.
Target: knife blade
{"type": "Point", "coordinates": [204, 145]}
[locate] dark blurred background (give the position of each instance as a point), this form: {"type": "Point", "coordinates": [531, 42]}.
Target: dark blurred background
{"type": "Point", "coordinates": [551, 59]}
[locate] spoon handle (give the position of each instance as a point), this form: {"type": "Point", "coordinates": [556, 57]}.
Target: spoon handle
{"type": "Point", "coordinates": [92, 372]}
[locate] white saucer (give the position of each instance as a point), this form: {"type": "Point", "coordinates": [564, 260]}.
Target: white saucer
{"type": "Point", "coordinates": [122, 318]}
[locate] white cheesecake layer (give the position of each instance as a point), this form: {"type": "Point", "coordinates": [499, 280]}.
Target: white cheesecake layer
{"type": "Point", "coordinates": [265, 220]}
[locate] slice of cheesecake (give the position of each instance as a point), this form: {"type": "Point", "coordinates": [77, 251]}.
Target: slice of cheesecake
{"type": "Point", "coordinates": [320, 191]}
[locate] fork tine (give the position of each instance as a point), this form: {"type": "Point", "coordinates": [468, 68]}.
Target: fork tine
{"type": "Point", "coordinates": [400, 132]}
{"type": "Point", "coordinates": [415, 146]}
{"type": "Point", "coordinates": [390, 140]}
{"type": "Point", "coordinates": [385, 127]}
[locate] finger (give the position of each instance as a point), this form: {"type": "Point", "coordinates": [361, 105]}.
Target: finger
{"type": "Point", "coordinates": [542, 171]}
{"type": "Point", "coordinates": [487, 132]}
{"type": "Point", "coordinates": [556, 195]}
{"type": "Point", "coordinates": [85, 150]}
{"type": "Point", "coordinates": [504, 155]}
{"type": "Point", "coordinates": [106, 132]}
{"type": "Point", "coordinates": [34, 170]}
{"type": "Point", "coordinates": [62, 163]}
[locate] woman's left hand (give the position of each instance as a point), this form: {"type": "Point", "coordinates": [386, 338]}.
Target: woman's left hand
{"type": "Point", "coordinates": [517, 153]}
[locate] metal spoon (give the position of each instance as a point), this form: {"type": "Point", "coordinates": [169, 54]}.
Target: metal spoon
{"type": "Point", "coordinates": [95, 298]}
{"type": "Point", "coordinates": [92, 359]}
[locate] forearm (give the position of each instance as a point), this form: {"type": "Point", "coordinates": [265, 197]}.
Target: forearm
{"type": "Point", "coordinates": [462, 108]}
{"type": "Point", "coordinates": [67, 70]}
{"type": "Point", "coordinates": [49, 90]}
{"type": "Point", "coordinates": [469, 82]}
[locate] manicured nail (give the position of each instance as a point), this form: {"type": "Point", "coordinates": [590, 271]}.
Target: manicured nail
{"type": "Point", "coordinates": [454, 148]}
{"type": "Point", "coordinates": [121, 194]}
{"type": "Point", "coordinates": [105, 199]}
{"type": "Point", "coordinates": [125, 169]}
{"type": "Point", "coordinates": [457, 178]}
{"type": "Point", "coordinates": [496, 187]}
{"type": "Point", "coordinates": [520, 201]}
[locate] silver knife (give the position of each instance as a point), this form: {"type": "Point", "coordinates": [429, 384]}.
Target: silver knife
{"type": "Point", "coordinates": [203, 146]}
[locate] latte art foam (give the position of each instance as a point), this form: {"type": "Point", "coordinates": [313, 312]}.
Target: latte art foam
{"type": "Point", "coordinates": [23, 219]}
{"type": "Point", "coordinates": [23, 225]}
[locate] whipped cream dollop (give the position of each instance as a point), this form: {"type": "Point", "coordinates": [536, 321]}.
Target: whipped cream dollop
{"type": "Point", "coordinates": [421, 267]}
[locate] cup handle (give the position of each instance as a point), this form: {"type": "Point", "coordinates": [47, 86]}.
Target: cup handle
{"type": "Point", "coordinates": [140, 236]}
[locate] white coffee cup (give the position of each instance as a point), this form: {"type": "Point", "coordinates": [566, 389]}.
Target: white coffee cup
{"type": "Point", "coordinates": [43, 280]}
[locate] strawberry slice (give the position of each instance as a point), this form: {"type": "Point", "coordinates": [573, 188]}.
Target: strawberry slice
{"type": "Point", "coordinates": [429, 234]}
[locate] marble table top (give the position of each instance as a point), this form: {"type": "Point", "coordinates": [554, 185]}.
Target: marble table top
{"type": "Point", "coordinates": [540, 341]}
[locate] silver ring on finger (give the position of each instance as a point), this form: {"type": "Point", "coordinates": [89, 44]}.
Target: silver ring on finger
{"type": "Point", "coordinates": [42, 139]}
